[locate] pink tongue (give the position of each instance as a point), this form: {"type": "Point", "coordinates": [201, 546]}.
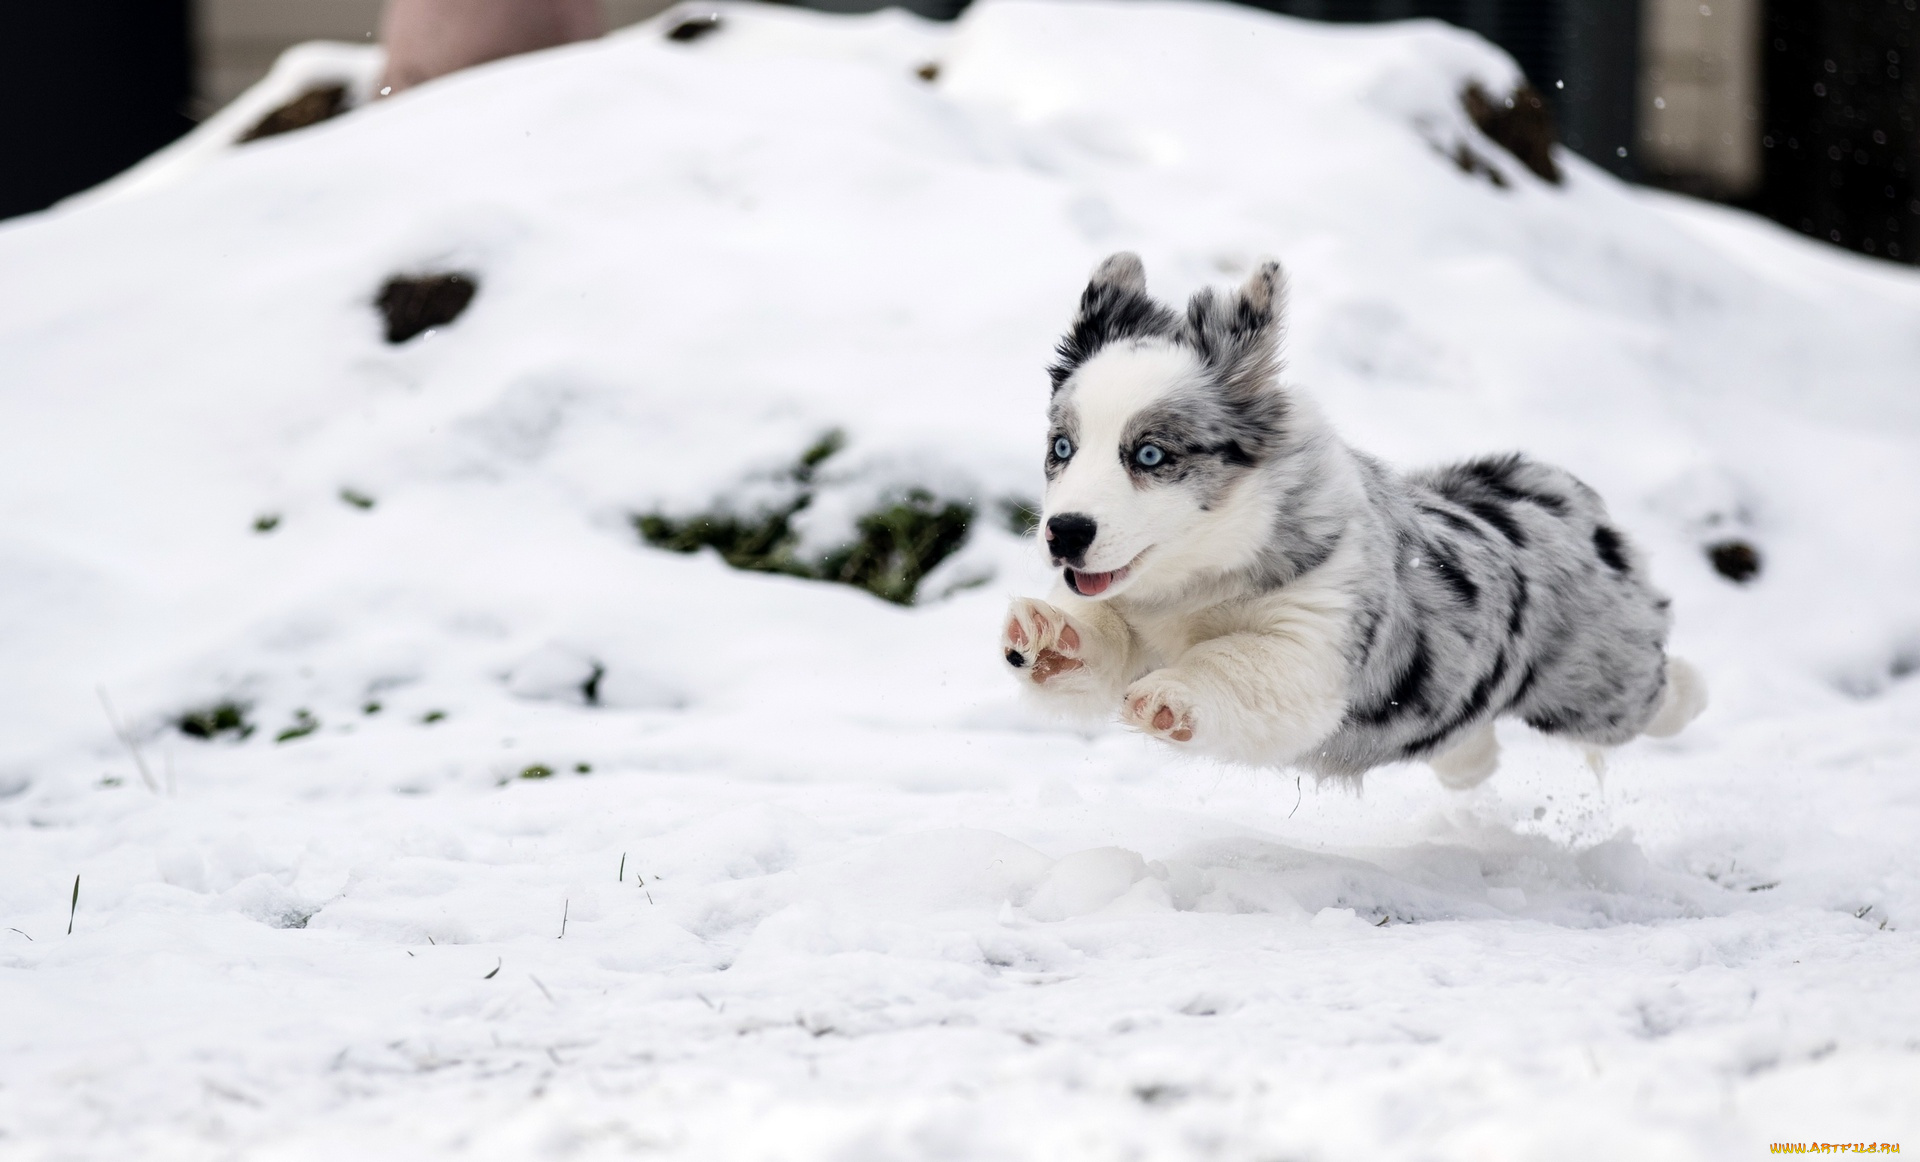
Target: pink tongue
{"type": "Point", "coordinates": [1091, 584]}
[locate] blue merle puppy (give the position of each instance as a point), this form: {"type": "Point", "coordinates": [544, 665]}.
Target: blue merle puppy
{"type": "Point", "coordinates": [1236, 580]}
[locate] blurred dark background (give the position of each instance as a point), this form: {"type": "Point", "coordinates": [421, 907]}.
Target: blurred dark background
{"type": "Point", "coordinates": [1804, 110]}
{"type": "Point", "coordinates": [1840, 142]}
{"type": "Point", "coordinates": [87, 88]}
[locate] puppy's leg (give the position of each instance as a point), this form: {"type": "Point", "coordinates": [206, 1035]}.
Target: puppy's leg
{"type": "Point", "coordinates": [1256, 698]}
{"type": "Point", "coordinates": [1077, 661]}
{"type": "Point", "coordinates": [1684, 699]}
{"type": "Point", "coordinates": [1469, 762]}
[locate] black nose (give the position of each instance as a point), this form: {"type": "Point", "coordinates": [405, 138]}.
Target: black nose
{"type": "Point", "coordinates": [1069, 534]}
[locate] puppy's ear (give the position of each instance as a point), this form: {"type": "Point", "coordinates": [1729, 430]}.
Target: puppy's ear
{"type": "Point", "coordinates": [1114, 307]}
{"type": "Point", "coordinates": [1265, 291]}
{"type": "Point", "coordinates": [1238, 335]}
{"type": "Point", "coordinates": [1123, 271]}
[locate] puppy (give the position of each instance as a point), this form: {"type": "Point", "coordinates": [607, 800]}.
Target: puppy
{"type": "Point", "coordinates": [1237, 581]}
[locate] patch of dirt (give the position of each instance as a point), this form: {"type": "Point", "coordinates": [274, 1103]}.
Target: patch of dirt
{"type": "Point", "coordinates": [310, 108]}
{"type": "Point", "coordinates": [1519, 123]}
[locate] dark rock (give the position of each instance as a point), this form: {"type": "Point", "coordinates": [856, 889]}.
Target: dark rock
{"type": "Point", "coordinates": [412, 304]}
{"type": "Point", "coordinates": [1737, 561]}
{"type": "Point", "coordinates": [1521, 124]}
{"type": "Point", "coordinates": [309, 108]}
{"type": "Point", "coordinates": [694, 28]}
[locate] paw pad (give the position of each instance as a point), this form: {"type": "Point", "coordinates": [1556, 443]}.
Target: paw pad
{"type": "Point", "coordinates": [1155, 715]}
{"type": "Point", "coordinates": [1039, 639]}
{"type": "Point", "coordinates": [1051, 662]}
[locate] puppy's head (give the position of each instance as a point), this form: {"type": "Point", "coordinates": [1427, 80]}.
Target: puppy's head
{"type": "Point", "coordinates": [1157, 425]}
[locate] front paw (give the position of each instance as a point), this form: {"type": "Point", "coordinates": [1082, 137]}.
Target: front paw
{"type": "Point", "coordinates": [1039, 641]}
{"type": "Point", "coordinates": [1161, 705]}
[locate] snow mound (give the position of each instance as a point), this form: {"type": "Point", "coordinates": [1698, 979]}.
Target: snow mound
{"type": "Point", "coordinates": [498, 833]}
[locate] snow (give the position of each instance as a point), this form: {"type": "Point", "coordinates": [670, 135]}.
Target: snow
{"type": "Point", "coordinates": [828, 889]}
{"type": "Point", "coordinates": [318, 64]}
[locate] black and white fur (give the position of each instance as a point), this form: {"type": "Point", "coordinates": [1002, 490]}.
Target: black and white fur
{"type": "Point", "coordinates": [1236, 580]}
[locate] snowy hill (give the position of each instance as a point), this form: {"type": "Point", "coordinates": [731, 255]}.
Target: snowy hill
{"type": "Point", "coordinates": [794, 875]}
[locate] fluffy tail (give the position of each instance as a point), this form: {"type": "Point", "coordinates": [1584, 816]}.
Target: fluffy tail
{"type": "Point", "coordinates": [1685, 698]}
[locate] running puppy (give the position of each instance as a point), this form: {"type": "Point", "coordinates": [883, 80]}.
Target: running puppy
{"type": "Point", "coordinates": [1237, 580]}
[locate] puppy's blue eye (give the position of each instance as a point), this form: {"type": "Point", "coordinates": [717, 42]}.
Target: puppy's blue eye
{"type": "Point", "coordinates": [1149, 455]}
{"type": "Point", "coordinates": [1063, 448]}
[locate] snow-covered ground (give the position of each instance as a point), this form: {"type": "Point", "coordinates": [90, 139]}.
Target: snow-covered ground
{"type": "Point", "coordinates": [808, 882]}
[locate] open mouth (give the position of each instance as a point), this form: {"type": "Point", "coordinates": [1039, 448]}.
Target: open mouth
{"type": "Point", "coordinates": [1094, 584]}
